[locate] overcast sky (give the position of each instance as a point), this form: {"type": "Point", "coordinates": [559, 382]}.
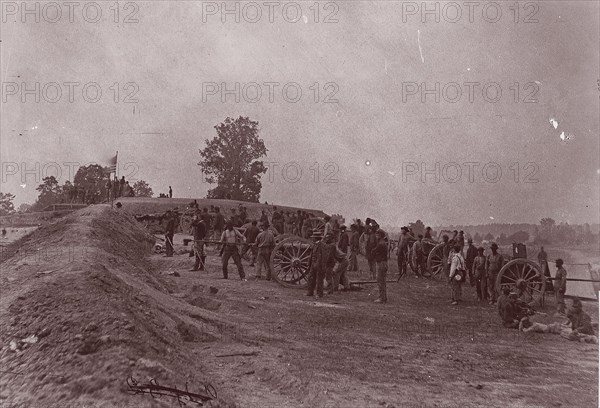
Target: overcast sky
{"type": "Point", "coordinates": [367, 130]}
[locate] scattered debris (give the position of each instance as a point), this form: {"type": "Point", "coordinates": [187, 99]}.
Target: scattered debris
{"type": "Point", "coordinates": [154, 388]}
{"type": "Point", "coordinates": [252, 353]}
{"type": "Point", "coordinates": [430, 320]}
{"type": "Point", "coordinates": [251, 306]}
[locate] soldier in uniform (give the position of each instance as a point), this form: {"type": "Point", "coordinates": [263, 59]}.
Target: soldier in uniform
{"type": "Point", "coordinates": [560, 287]}
{"type": "Point", "coordinates": [316, 274]}
{"type": "Point", "coordinates": [354, 247]}
{"type": "Point", "coordinates": [170, 232]}
{"type": "Point", "coordinates": [200, 231]}
{"type": "Point", "coordinates": [328, 260]}
{"type": "Point", "coordinates": [479, 275]}
{"type": "Point", "coordinates": [402, 250]}
{"type": "Point", "coordinates": [470, 259]}
{"type": "Point", "coordinates": [380, 255]}
{"type": "Point", "coordinates": [494, 263]}
{"type": "Point", "coordinates": [265, 242]}
{"type": "Point", "coordinates": [251, 233]}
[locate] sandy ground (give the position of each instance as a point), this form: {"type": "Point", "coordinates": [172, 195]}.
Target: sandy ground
{"type": "Point", "coordinates": [103, 309]}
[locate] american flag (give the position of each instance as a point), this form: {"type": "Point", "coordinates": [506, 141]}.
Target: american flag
{"type": "Point", "coordinates": [112, 167]}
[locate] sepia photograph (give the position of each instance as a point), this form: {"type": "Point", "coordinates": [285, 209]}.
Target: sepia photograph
{"type": "Point", "coordinates": [299, 204]}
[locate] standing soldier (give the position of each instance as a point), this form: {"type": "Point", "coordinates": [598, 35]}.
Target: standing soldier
{"type": "Point", "coordinates": [265, 242]}
{"type": "Point", "coordinates": [108, 187]}
{"type": "Point", "coordinates": [371, 243]}
{"type": "Point", "coordinates": [328, 260]}
{"type": "Point", "coordinates": [170, 192]}
{"type": "Point", "coordinates": [479, 275]}
{"type": "Point", "coordinates": [218, 225]}
{"type": "Point", "coordinates": [200, 230]}
{"type": "Point", "coordinates": [264, 219]}
{"type": "Point", "coordinates": [460, 240]}
{"type": "Point", "coordinates": [230, 238]}
{"type": "Point", "coordinates": [380, 254]}
{"type": "Point", "coordinates": [122, 186]}
{"type": "Point", "coordinates": [354, 247]}
{"type": "Point", "coordinates": [328, 225]}
{"type": "Point", "coordinates": [115, 186]}
{"type": "Point", "coordinates": [316, 275]}
{"type": "Point", "coordinates": [419, 257]}
{"type": "Point", "coordinates": [339, 270]}
{"type": "Point", "coordinates": [543, 260]}
{"type": "Point", "coordinates": [495, 261]}
{"type": "Point", "coordinates": [250, 234]}
{"type": "Point", "coordinates": [427, 236]}
{"type": "Point", "coordinates": [457, 274]}
{"type": "Point", "coordinates": [402, 250]}
{"type": "Point", "coordinates": [243, 215]}
{"type": "Point", "coordinates": [170, 232]}
{"type": "Point", "coordinates": [446, 254]}
{"type": "Point", "coordinates": [207, 218]}
{"type": "Point", "coordinates": [277, 221]}
{"type": "Point", "coordinates": [560, 286]}
{"type": "Point", "coordinates": [471, 255]}
{"type": "Point", "coordinates": [344, 241]}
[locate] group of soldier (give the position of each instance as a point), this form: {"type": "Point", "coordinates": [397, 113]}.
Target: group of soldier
{"type": "Point", "coordinates": [118, 188]}
{"type": "Point", "coordinates": [334, 253]}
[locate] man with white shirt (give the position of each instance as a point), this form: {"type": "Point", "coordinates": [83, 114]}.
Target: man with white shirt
{"type": "Point", "coordinates": [230, 238]}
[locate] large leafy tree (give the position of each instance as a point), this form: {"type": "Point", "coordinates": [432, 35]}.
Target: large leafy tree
{"type": "Point", "coordinates": [142, 189]}
{"type": "Point", "coordinates": [6, 203]}
{"type": "Point", "coordinates": [92, 179]}
{"type": "Point", "coordinates": [50, 192]}
{"type": "Point", "coordinates": [231, 160]}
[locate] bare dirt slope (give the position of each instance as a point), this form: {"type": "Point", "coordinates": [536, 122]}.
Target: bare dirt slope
{"type": "Point", "coordinates": [112, 312]}
{"type": "Point", "coordinates": [144, 205]}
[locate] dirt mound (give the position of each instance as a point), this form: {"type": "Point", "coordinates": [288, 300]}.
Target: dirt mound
{"type": "Point", "coordinates": [89, 312]}
{"type": "Point", "coordinates": [143, 205]}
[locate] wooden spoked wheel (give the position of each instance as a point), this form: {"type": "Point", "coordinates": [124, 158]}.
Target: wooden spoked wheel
{"type": "Point", "coordinates": [290, 262]}
{"type": "Point", "coordinates": [316, 224]}
{"type": "Point", "coordinates": [435, 261]}
{"type": "Point", "coordinates": [524, 277]}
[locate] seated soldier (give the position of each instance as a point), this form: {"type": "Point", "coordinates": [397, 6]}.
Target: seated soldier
{"type": "Point", "coordinates": [512, 311]}
{"type": "Point", "coordinates": [581, 324]}
{"type": "Point", "coordinates": [503, 299]}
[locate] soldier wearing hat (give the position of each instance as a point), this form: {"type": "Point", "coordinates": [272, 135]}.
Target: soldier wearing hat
{"type": "Point", "coordinates": [343, 241]}
{"type": "Point", "coordinates": [560, 286]}
{"type": "Point", "coordinates": [494, 263]}
{"type": "Point", "coordinates": [200, 230]}
{"type": "Point", "coordinates": [402, 250]}
{"type": "Point", "coordinates": [328, 259]}
{"type": "Point", "coordinates": [170, 232]}
{"type": "Point", "coordinates": [580, 321]}
{"type": "Point", "coordinates": [380, 255]}
{"type": "Point", "coordinates": [470, 260]}
{"type": "Point", "coordinates": [316, 272]}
